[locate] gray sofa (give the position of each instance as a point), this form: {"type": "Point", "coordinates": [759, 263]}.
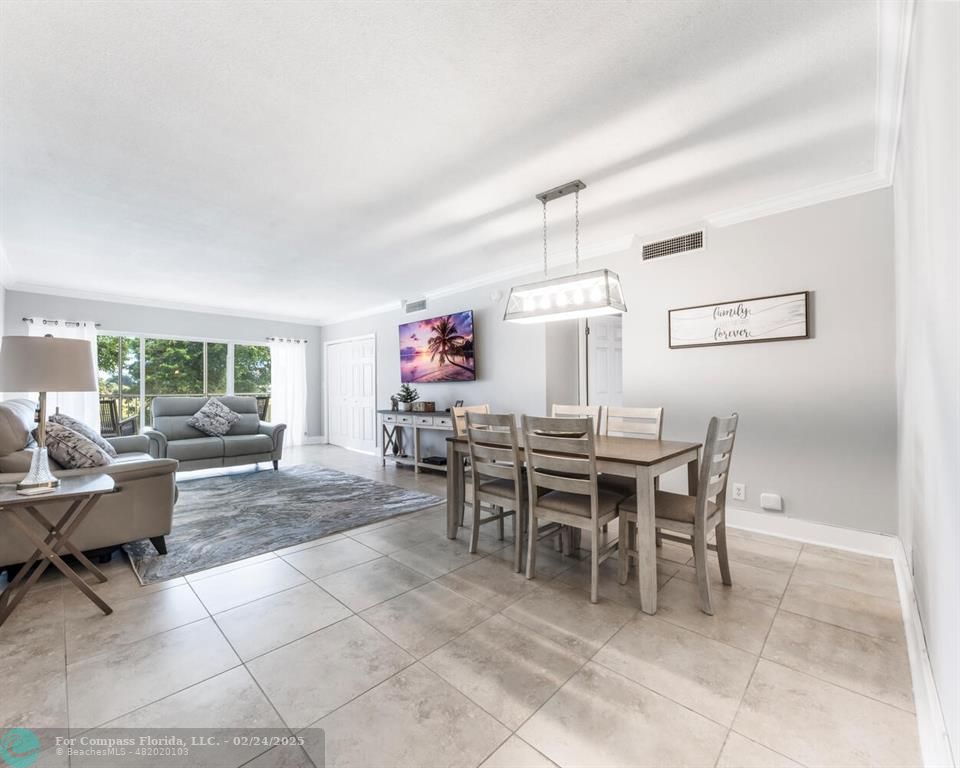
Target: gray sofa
{"type": "Point", "coordinates": [140, 508]}
{"type": "Point", "coordinates": [249, 441]}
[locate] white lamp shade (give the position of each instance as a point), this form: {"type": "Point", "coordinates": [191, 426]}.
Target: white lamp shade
{"type": "Point", "coordinates": [582, 295]}
{"type": "Point", "coordinates": [46, 364]}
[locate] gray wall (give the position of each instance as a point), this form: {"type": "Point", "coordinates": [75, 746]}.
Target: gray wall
{"type": "Point", "coordinates": [818, 419]}
{"type": "Point", "coordinates": [818, 416]}
{"type": "Point", "coordinates": [927, 210]}
{"type": "Point", "coordinates": [133, 318]}
{"type": "Point", "coordinates": [509, 358]}
{"type": "Point", "coordinates": [562, 358]}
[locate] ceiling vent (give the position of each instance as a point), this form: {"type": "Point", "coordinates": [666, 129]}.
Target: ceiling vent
{"type": "Point", "coordinates": [691, 241]}
{"type": "Point", "coordinates": [416, 305]}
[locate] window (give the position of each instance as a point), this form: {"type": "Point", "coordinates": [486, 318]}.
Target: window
{"type": "Point", "coordinates": [118, 359]}
{"type": "Point", "coordinates": [251, 370]}
{"type": "Point", "coordinates": [177, 367]}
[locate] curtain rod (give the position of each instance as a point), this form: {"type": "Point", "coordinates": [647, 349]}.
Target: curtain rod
{"type": "Point", "coordinates": [71, 323]}
{"type": "Point", "coordinates": [280, 338]}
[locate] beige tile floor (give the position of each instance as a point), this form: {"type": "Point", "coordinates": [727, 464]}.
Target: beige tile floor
{"type": "Point", "coordinates": [409, 651]}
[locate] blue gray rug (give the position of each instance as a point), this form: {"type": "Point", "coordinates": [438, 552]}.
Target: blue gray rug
{"type": "Point", "coordinates": [221, 519]}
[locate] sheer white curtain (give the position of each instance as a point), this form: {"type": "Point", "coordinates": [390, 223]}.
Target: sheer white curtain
{"type": "Point", "coordinates": [84, 406]}
{"type": "Point", "coordinates": [288, 388]}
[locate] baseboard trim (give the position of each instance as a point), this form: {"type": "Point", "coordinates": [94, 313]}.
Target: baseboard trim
{"type": "Point", "coordinates": [934, 740]}
{"type": "Point", "coordinates": [314, 440]}
{"type": "Point", "coordinates": [864, 542]}
{"type": "Point", "coordinates": [932, 728]}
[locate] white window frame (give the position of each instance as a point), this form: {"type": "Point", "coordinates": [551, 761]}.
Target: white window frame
{"type": "Point", "coordinates": [231, 359]}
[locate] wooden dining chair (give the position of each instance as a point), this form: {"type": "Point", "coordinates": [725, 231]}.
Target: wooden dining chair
{"type": "Point", "coordinates": [594, 412]}
{"type": "Point", "coordinates": [691, 519]}
{"type": "Point", "coordinates": [497, 475]}
{"type": "Point", "coordinates": [643, 423]}
{"type": "Point", "coordinates": [459, 413]}
{"type": "Point", "coordinates": [634, 422]}
{"type": "Point", "coordinates": [561, 462]}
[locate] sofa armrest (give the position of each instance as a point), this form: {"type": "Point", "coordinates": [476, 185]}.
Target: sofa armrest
{"type": "Point", "coordinates": [158, 442]}
{"type": "Point", "coordinates": [121, 472]}
{"type": "Point", "coordinates": [275, 432]}
{"type": "Point", "coordinates": [130, 444]}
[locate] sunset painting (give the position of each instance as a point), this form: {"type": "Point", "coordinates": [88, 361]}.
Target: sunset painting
{"type": "Point", "coordinates": [439, 349]}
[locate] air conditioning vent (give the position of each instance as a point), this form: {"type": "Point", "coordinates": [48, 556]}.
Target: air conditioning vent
{"type": "Point", "coordinates": [692, 241]}
{"type": "Point", "coordinates": [417, 305]}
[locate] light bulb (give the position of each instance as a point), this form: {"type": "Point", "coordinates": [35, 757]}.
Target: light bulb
{"type": "Point", "coordinates": [578, 296]}
{"type": "Point", "coordinates": [596, 294]}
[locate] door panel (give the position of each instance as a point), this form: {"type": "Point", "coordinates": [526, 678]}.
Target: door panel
{"type": "Point", "coordinates": [605, 360]}
{"type": "Point", "coordinates": [351, 394]}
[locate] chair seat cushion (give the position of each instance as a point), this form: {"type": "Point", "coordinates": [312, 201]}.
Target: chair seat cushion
{"type": "Point", "coordinates": [246, 445]}
{"type": "Point", "coordinates": [577, 504]}
{"type": "Point", "coordinates": [670, 506]}
{"type": "Point", "coordinates": [195, 448]}
{"type": "Point", "coordinates": [501, 488]}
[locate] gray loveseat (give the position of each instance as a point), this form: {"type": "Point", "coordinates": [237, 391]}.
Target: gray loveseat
{"type": "Point", "coordinates": [140, 508]}
{"type": "Point", "coordinates": [249, 441]}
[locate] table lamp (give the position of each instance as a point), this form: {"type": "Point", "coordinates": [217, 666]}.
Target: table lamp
{"type": "Point", "coordinates": [45, 364]}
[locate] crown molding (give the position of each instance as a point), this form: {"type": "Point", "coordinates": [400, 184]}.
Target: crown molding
{"type": "Point", "coordinates": [111, 298]}
{"type": "Point", "coordinates": [894, 34]}
{"type": "Point", "coordinates": [823, 193]}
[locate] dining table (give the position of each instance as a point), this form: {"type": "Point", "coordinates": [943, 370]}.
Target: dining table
{"type": "Point", "coordinates": [640, 459]}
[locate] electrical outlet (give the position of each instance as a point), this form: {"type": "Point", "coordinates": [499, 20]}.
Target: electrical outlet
{"type": "Point", "coordinates": [739, 491]}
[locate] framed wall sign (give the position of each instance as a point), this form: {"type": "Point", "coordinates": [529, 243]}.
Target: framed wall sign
{"type": "Point", "coordinates": [748, 321]}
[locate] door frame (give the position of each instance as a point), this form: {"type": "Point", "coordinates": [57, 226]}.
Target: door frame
{"type": "Point", "coordinates": [326, 388]}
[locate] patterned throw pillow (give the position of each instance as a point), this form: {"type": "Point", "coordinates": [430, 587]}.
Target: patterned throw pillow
{"type": "Point", "coordinates": [88, 432]}
{"type": "Point", "coordinates": [214, 419]}
{"type": "Point", "coordinates": [71, 450]}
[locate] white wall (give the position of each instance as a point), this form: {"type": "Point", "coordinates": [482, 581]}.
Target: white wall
{"type": "Point", "coordinates": [132, 318]}
{"type": "Point", "coordinates": [927, 211]}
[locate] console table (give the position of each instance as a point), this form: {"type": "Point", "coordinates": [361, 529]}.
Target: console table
{"type": "Point", "coordinates": [52, 539]}
{"type": "Point", "coordinates": [394, 426]}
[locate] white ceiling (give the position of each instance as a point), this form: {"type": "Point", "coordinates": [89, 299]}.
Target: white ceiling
{"type": "Point", "coordinates": [314, 160]}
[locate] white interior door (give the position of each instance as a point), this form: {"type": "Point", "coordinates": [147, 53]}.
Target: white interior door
{"type": "Point", "coordinates": [605, 360]}
{"type": "Point", "coordinates": [351, 393]}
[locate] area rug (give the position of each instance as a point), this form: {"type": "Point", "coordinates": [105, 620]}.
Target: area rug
{"type": "Point", "coordinates": [218, 520]}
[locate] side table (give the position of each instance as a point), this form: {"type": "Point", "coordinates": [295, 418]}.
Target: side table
{"type": "Point", "coordinates": [52, 538]}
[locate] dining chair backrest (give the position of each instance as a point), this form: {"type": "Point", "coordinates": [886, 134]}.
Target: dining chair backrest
{"type": "Point", "coordinates": [634, 422]}
{"type": "Point", "coordinates": [561, 455]}
{"type": "Point", "coordinates": [460, 416]}
{"type": "Point", "coordinates": [494, 447]}
{"type": "Point", "coordinates": [578, 412]}
{"type": "Point", "coordinates": [715, 465]}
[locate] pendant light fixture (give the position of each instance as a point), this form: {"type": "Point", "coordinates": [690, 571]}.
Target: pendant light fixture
{"type": "Point", "coordinates": [578, 295]}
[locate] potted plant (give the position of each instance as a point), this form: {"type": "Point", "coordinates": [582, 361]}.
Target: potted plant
{"type": "Point", "coordinates": [406, 397]}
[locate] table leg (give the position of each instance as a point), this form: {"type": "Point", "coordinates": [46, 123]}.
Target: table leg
{"type": "Point", "coordinates": [455, 490]}
{"type": "Point", "coordinates": [646, 541]}
{"type": "Point", "coordinates": [51, 536]}
{"type": "Point", "coordinates": [693, 476]}
{"type": "Point", "coordinates": [84, 561]}
{"type": "Point", "coordinates": [60, 534]}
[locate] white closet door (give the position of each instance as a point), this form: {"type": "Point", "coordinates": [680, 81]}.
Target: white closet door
{"type": "Point", "coordinates": [351, 394]}
{"type": "Point", "coordinates": [605, 360]}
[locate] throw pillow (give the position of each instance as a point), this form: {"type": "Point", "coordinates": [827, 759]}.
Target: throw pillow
{"type": "Point", "coordinates": [88, 432]}
{"type": "Point", "coordinates": [71, 450]}
{"type": "Point", "coordinates": [214, 419]}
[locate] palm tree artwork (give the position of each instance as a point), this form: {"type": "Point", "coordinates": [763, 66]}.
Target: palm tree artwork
{"type": "Point", "coordinates": [446, 343]}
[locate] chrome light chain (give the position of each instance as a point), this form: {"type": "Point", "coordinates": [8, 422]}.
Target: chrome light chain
{"type": "Point", "coordinates": [544, 238]}
{"type": "Point", "coordinates": [576, 216]}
